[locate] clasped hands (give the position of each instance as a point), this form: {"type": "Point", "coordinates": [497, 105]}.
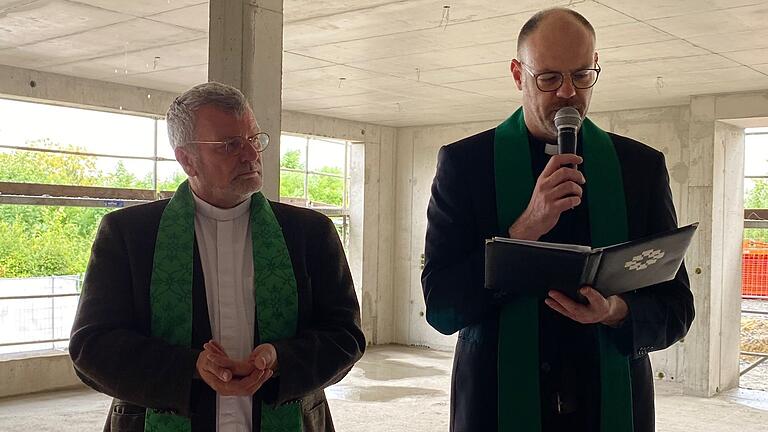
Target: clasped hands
{"type": "Point", "coordinates": [229, 377]}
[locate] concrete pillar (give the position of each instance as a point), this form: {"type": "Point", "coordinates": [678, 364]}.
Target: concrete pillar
{"type": "Point", "coordinates": [246, 51]}
{"type": "Point", "coordinates": [357, 199]}
{"type": "Point", "coordinates": [714, 199]}
{"type": "Point", "coordinates": [371, 244]}
{"type": "Point", "coordinates": [729, 177]}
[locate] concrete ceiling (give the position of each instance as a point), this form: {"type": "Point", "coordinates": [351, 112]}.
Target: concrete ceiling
{"type": "Point", "coordinates": [402, 62]}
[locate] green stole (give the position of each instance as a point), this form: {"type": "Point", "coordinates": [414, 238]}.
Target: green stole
{"type": "Point", "coordinates": [171, 295]}
{"type": "Point", "coordinates": [519, 401]}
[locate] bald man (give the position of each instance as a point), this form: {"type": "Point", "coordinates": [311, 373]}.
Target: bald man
{"type": "Point", "coordinates": [550, 363]}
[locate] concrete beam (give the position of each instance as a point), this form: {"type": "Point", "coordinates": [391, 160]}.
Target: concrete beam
{"type": "Point", "coordinates": [36, 86]}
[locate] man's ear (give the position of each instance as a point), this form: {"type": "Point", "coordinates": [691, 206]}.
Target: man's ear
{"type": "Point", "coordinates": [595, 57]}
{"type": "Point", "coordinates": [185, 158]}
{"type": "Point", "coordinates": [517, 73]}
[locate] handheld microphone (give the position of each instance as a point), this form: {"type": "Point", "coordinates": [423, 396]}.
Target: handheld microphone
{"type": "Point", "coordinates": [567, 122]}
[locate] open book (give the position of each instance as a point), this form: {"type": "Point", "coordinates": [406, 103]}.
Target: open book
{"type": "Point", "coordinates": [522, 267]}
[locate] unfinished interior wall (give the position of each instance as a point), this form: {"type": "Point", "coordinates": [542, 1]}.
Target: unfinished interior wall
{"type": "Point", "coordinates": [666, 130]}
{"type": "Point", "coordinates": [417, 149]}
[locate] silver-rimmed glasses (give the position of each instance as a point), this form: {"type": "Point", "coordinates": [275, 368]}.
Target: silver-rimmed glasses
{"type": "Point", "coordinates": [552, 81]}
{"type": "Point", "coordinates": [233, 146]}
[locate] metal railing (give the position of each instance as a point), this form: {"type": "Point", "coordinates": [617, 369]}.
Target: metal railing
{"type": "Point", "coordinates": [41, 323]}
{"type": "Point", "coordinates": [761, 357]}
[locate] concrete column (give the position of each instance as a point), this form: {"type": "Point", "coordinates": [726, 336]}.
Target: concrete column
{"type": "Point", "coordinates": [246, 51]}
{"type": "Point", "coordinates": [357, 199]}
{"type": "Point", "coordinates": [729, 176]}
{"type": "Point", "coordinates": [714, 199]}
{"type": "Point", "coordinates": [371, 243]}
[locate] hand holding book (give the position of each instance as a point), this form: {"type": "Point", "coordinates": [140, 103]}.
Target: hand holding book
{"type": "Point", "coordinates": [531, 268]}
{"type": "Point", "coordinates": [610, 311]}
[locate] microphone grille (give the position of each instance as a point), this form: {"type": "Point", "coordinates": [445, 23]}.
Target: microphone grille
{"type": "Point", "coordinates": [568, 117]}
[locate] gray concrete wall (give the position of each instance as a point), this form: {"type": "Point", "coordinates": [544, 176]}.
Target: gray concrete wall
{"type": "Point", "coordinates": [417, 149]}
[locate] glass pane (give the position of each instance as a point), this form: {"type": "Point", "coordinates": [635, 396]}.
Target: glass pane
{"type": "Point", "coordinates": [292, 186]}
{"type": "Point", "coordinates": [55, 168]}
{"type": "Point", "coordinates": [125, 173]}
{"type": "Point", "coordinates": [163, 145]}
{"type": "Point", "coordinates": [756, 155]}
{"type": "Point", "coordinates": [45, 241]}
{"type": "Point", "coordinates": [36, 319]}
{"type": "Point", "coordinates": [751, 199]}
{"type": "Point", "coordinates": [325, 191]}
{"type": "Point", "coordinates": [43, 250]}
{"type": "Point", "coordinates": [292, 152]}
{"type": "Point", "coordinates": [756, 196]}
{"type": "Point", "coordinates": [27, 124]}
{"type": "Point", "coordinates": [326, 156]}
{"type": "Point", "coordinates": [169, 175]}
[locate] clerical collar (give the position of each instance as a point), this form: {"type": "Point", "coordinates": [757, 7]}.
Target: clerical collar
{"type": "Point", "coordinates": [540, 146]}
{"type": "Point", "coordinates": [212, 212]}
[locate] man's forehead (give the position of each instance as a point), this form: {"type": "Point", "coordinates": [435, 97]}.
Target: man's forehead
{"type": "Point", "coordinates": [547, 51]}
{"type": "Point", "coordinates": [223, 122]}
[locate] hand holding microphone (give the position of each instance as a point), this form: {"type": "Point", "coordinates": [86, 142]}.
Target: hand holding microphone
{"type": "Point", "coordinates": [558, 188]}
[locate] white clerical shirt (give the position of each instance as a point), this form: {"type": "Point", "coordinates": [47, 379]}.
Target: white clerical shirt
{"type": "Point", "coordinates": [224, 241]}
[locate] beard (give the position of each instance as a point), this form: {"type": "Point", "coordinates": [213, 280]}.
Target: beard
{"type": "Point", "coordinates": [247, 185]}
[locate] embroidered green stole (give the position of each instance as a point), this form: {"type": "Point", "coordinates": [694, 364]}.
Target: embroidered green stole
{"type": "Point", "coordinates": [519, 399]}
{"type": "Point", "coordinates": [171, 295]}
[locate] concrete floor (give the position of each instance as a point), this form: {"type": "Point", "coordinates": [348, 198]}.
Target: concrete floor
{"type": "Point", "coordinates": [396, 388]}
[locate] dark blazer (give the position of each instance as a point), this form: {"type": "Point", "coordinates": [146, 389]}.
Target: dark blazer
{"type": "Point", "coordinates": [462, 214]}
{"type": "Point", "coordinates": [113, 352]}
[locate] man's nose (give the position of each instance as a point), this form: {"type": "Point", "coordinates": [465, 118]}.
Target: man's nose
{"type": "Point", "coordinates": [249, 152]}
{"type": "Point", "coordinates": [567, 90]}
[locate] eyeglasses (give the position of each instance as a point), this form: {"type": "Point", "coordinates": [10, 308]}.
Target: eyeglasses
{"type": "Point", "coordinates": [233, 146]}
{"type": "Point", "coordinates": [552, 81]}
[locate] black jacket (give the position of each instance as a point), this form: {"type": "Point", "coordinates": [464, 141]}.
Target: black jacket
{"type": "Point", "coordinates": [462, 214]}
{"type": "Point", "coordinates": [113, 351]}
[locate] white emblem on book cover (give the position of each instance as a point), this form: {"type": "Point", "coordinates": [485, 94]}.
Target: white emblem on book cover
{"type": "Point", "coordinates": [646, 259]}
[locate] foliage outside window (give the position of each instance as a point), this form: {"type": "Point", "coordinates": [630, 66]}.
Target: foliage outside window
{"type": "Point", "coordinates": [314, 172]}
{"type": "Point", "coordinates": [46, 144]}
{"type": "Point", "coordinates": [756, 177]}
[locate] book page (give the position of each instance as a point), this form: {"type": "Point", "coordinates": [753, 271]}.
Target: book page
{"type": "Point", "coordinates": [546, 245]}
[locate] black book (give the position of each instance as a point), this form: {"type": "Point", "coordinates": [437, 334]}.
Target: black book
{"type": "Point", "coordinates": [522, 267]}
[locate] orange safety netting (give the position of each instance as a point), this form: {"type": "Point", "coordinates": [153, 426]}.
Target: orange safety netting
{"type": "Point", "coordinates": [754, 276]}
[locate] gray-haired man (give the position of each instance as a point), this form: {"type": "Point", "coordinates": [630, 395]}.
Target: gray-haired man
{"type": "Point", "coordinates": [216, 309]}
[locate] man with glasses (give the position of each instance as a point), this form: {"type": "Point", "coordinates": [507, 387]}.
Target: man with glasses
{"type": "Point", "coordinates": [216, 309]}
{"type": "Point", "coordinates": [549, 363]}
